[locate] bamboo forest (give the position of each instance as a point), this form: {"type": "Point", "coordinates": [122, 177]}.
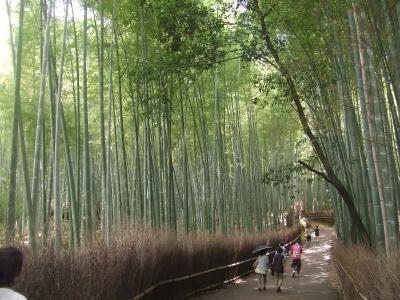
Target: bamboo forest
{"type": "Point", "coordinates": [144, 143]}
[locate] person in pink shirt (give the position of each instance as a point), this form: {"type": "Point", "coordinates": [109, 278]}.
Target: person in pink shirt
{"type": "Point", "coordinates": [296, 250]}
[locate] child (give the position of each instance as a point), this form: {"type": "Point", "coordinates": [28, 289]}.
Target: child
{"type": "Point", "coordinates": [308, 236]}
{"type": "Point", "coordinates": [316, 233]}
{"type": "Point", "coordinates": [10, 267]}
{"type": "Point", "coordinates": [296, 251]}
{"type": "Point", "coordinates": [261, 265]}
{"type": "Point", "coordinates": [278, 266]}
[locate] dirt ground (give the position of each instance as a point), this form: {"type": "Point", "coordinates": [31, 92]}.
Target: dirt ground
{"type": "Point", "coordinates": [311, 284]}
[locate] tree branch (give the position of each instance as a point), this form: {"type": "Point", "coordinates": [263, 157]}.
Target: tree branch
{"type": "Point", "coordinates": [330, 175]}
{"type": "Point", "coordinates": [308, 167]}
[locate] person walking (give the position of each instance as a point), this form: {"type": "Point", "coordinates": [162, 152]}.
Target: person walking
{"type": "Point", "coordinates": [10, 267]}
{"type": "Point", "coordinates": [316, 233]}
{"type": "Point", "coordinates": [284, 249]}
{"type": "Point", "coordinates": [308, 236]}
{"type": "Point", "coordinates": [296, 250]}
{"type": "Point", "coordinates": [261, 266]}
{"type": "Point", "coordinates": [278, 266]}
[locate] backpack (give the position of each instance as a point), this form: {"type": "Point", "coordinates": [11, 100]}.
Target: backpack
{"type": "Point", "coordinates": [296, 251]}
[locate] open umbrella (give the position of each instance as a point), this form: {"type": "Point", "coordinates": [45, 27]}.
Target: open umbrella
{"type": "Point", "coordinates": [261, 248]}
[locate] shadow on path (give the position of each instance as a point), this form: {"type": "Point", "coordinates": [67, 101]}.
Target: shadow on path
{"type": "Point", "coordinates": [312, 284]}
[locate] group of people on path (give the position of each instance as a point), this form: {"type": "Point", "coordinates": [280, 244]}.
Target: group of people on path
{"type": "Point", "coordinates": [277, 265]}
{"type": "Point", "coordinates": [308, 232]}
{"type": "Point", "coordinates": [11, 265]}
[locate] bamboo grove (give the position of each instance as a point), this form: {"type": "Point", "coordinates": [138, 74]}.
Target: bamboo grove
{"type": "Point", "coordinates": [129, 131]}
{"type": "Point", "coordinates": [190, 116]}
{"type": "Point", "coordinates": [344, 88]}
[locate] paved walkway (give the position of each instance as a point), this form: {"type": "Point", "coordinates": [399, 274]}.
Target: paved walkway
{"type": "Point", "coordinates": [312, 284]}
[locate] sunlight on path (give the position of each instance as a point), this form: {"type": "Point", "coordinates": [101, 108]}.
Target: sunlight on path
{"type": "Point", "coordinates": [312, 284]}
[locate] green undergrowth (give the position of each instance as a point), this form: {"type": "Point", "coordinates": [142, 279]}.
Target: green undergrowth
{"type": "Point", "coordinates": [137, 261]}
{"type": "Point", "coordinates": [375, 276]}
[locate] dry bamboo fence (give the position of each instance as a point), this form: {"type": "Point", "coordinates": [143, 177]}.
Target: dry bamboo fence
{"type": "Point", "coordinates": [179, 279]}
{"type": "Point", "coordinates": [325, 215]}
{"type": "Point", "coordinates": [353, 285]}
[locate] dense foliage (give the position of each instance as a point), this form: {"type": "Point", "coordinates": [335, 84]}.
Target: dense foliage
{"type": "Point", "coordinates": [199, 116]}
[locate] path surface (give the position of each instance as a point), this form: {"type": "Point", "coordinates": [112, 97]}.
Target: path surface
{"type": "Point", "coordinates": [312, 284]}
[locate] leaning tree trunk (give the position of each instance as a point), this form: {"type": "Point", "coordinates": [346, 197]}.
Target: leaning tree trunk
{"type": "Point", "coordinates": [330, 175]}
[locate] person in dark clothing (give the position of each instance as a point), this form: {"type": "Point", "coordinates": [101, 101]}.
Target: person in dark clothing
{"type": "Point", "coordinates": [278, 266]}
{"type": "Point", "coordinates": [316, 233]}
{"type": "Point", "coordinates": [285, 250]}
{"type": "Point", "coordinates": [308, 236]}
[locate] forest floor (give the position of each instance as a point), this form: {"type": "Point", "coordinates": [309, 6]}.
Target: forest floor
{"type": "Point", "coordinates": [313, 283]}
